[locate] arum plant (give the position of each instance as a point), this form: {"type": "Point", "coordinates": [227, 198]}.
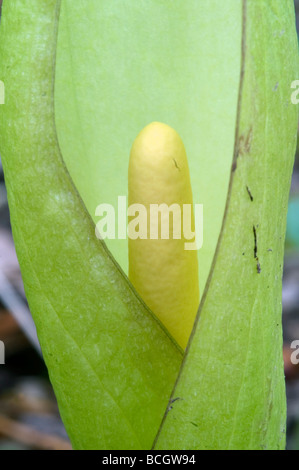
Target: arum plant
{"type": "Point", "coordinates": [81, 80]}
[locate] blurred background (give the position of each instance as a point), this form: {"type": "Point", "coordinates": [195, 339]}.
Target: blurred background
{"type": "Point", "coordinates": [29, 417]}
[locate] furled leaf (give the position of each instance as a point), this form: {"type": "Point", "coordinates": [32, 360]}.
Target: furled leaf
{"type": "Point", "coordinates": [110, 362]}
{"type": "Point", "coordinates": [119, 67]}
{"type": "Point", "coordinates": [230, 393]}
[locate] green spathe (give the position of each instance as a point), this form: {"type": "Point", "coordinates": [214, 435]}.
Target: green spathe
{"type": "Point", "coordinates": [111, 363]}
{"type": "Point", "coordinates": [233, 369]}
{"type": "Point", "coordinates": [188, 72]}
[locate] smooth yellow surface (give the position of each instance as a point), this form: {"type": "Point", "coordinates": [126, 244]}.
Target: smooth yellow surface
{"type": "Point", "coordinates": [163, 272]}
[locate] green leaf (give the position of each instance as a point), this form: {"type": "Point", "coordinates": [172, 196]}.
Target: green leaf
{"type": "Point", "coordinates": [230, 393]}
{"type": "Point", "coordinates": [110, 362]}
